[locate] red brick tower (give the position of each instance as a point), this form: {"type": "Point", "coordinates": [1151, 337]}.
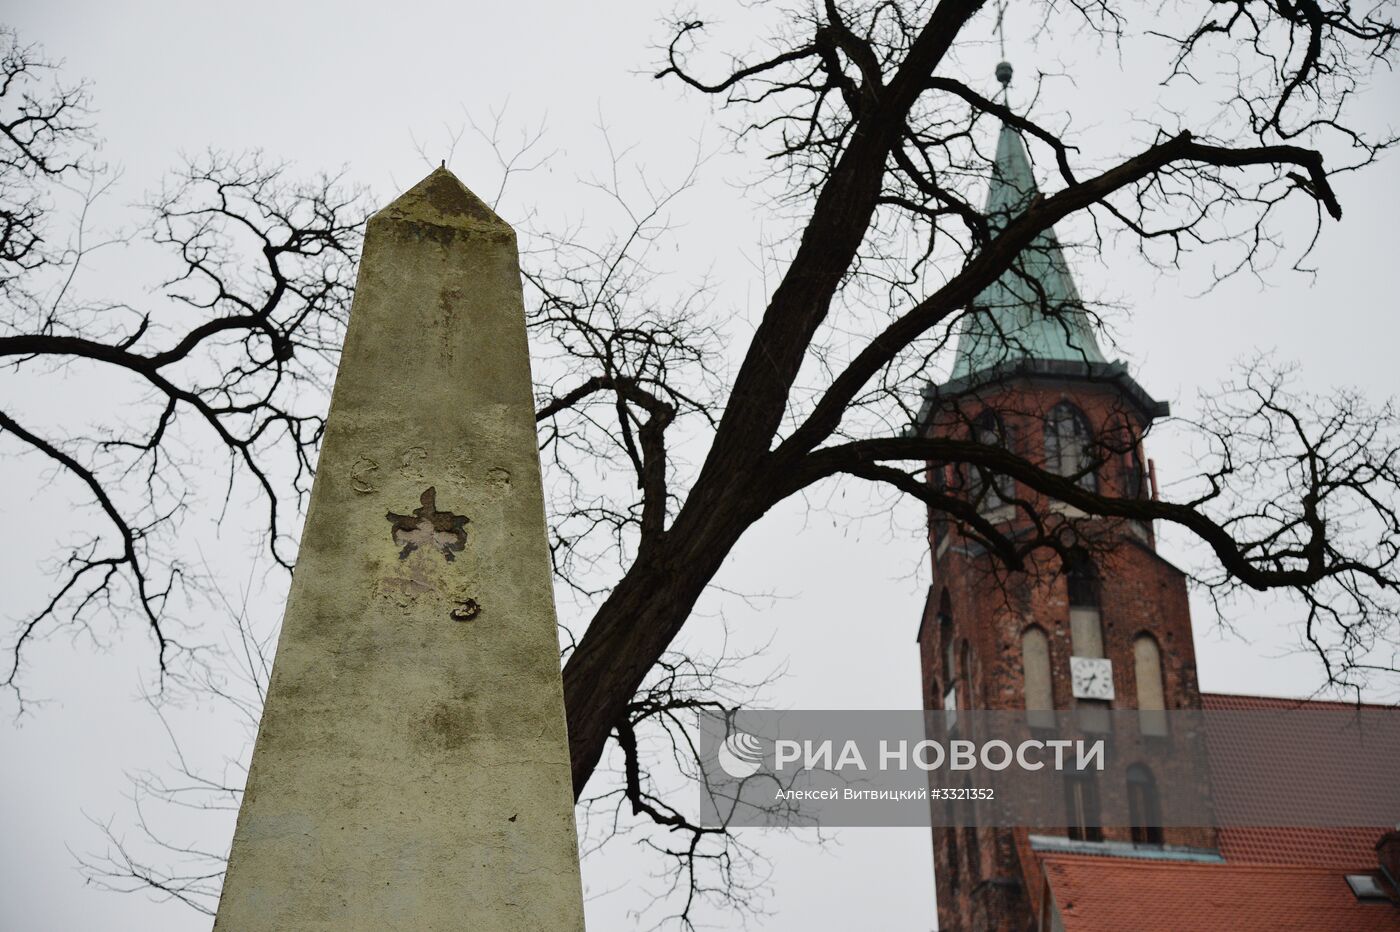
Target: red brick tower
{"type": "Point", "coordinates": [1100, 623]}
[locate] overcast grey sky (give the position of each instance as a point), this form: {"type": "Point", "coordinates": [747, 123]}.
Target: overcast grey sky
{"type": "Point", "coordinates": [355, 84]}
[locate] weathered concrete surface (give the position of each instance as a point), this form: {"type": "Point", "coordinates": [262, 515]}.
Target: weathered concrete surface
{"type": "Point", "coordinates": [412, 770]}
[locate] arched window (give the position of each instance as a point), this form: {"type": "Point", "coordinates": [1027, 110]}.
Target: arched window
{"type": "Point", "coordinates": [1144, 807]}
{"type": "Point", "coordinates": [949, 646]}
{"type": "Point", "coordinates": [951, 834]}
{"type": "Point", "coordinates": [988, 491]}
{"type": "Point", "coordinates": [1085, 624]}
{"type": "Point", "coordinates": [1069, 445]}
{"type": "Point", "coordinates": [1082, 806]}
{"type": "Point", "coordinates": [969, 700]}
{"type": "Point", "coordinates": [1086, 631]}
{"type": "Point", "coordinates": [945, 635]}
{"type": "Point", "coordinates": [972, 843]}
{"type": "Point", "coordinates": [938, 482]}
{"type": "Point", "coordinates": [938, 475]}
{"type": "Point", "coordinates": [1134, 473]}
{"type": "Point", "coordinates": [1151, 698]}
{"type": "Point", "coordinates": [1035, 677]}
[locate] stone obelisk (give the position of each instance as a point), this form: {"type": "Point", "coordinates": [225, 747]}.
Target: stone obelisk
{"type": "Point", "coordinates": [412, 769]}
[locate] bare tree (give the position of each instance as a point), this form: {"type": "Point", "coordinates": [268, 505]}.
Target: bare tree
{"type": "Point", "coordinates": [238, 354]}
{"type": "Point", "coordinates": [876, 144]}
{"type": "Point", "coordinates": [853, 104]}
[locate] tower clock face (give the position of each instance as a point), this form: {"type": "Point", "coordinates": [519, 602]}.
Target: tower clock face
{"type": "Point", "coordinates": [1091, 677]}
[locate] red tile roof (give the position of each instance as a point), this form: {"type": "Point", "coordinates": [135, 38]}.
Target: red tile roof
{"type": "Point", "coordinates": [1340, 849]}
{"type": "Point", "coordinates": [1272, 880]}
{"type": "Point", "coordinates": [1336, 848]}
{"type": "Point", "coordinates": [1100, 894]}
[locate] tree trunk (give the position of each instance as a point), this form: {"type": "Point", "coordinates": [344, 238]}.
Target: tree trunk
{"type": "Point", "coordinates": [642, 616]}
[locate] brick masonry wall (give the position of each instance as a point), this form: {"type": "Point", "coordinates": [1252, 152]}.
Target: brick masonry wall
{"type": "Point", "coordinates": [990, 609]}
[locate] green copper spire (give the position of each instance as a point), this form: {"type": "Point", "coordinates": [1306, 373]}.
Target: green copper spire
{"type": "Point", "coordinates": [1033, 311]}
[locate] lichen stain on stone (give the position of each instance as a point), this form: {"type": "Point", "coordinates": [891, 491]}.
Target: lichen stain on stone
{"type": "Point", "coordinates": [404, 591]}
{"type": "Point", "coordinates": [448, 300]}
{"type": "Point", "coordinates": [429, 529]}
{"type": "Point", "coordinates": [362, 475]}
{"type": "Point", "coordinates": [448, 725]}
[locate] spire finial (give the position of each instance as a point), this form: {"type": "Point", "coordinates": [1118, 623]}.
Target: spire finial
{"type": "Point", "coordinates": [1001, 33]}
{"type": "Point", "coordinates": [1004, 70]}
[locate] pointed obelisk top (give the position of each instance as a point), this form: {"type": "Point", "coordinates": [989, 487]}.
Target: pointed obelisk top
{"type": "Point", "coordinates": [441, 200]}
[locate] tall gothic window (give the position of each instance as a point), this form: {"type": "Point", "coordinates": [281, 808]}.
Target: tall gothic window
{"type": "Point", "coordinates": [1151, 699]}
{"type": "Point", "coordinates": [1082, 807]}
{"type": "Point", "coordinates": [1134, 474]}
{"type": "Point", "coordinates": [1085, 623]}
{"type": "Point", "coordinates": [938, 481]}
{"type": "Point", "coordinates": [1086, 630]}
{"type": "Point", "coordinates": [989, 491]}
{"type": "Point", "coordinates": [965, 675]}
{"type": "Point", "coordinates": [1035, 677]}
{"type": "Point", "coordinates": [951, 833]}
{"type": "Point", "coordinates": [950, 653]}
{"type": "Point", "coordinates": [1144, 806]}
{"type": "Point", "coordinates": [1069, 445]}
{"type": "Point", "coordinates": [945, 635]}
{"type": "Point", "coordinates": [972, 844]}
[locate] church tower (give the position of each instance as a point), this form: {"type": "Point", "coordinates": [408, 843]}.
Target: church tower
{"type": "Point", "coordinates": [1097, 622]}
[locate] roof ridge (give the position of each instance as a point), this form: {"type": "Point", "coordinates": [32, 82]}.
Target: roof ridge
{"type": "Point", "coordinates": [1149, 864]}
{"type": "Point", "coordinates": [1294, 699]}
